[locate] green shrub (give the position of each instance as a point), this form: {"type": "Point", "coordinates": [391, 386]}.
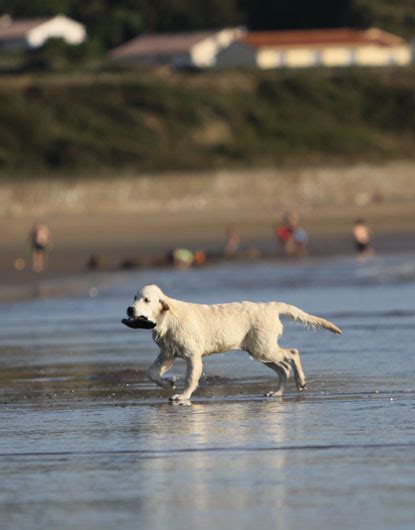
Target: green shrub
{"type": "Point", "coordinates": [139, 121]}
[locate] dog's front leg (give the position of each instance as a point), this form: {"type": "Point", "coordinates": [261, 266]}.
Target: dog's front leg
{"type": "Point", "coordinates": [158, 368]}
{"type": "Point", "coordinates": [194, 368]}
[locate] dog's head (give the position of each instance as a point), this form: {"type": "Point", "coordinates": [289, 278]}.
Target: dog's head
{"type": "Point", "coordinates": [148, 308]}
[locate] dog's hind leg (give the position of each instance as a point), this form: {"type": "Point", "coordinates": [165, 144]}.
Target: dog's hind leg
{"type": "Point", "coordinates": [160, 367]}
{"type": "Point", "coordinates": [194, 368]}
{"type": "Point", "coordinates": [299, 376]}
{"type": "Point", "coordinates": [281, 360]}
{"type": "Point", "coordinates": [283, 370]}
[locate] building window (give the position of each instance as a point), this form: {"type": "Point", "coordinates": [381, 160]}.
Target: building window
{"type": "Point", "coordinates": [352, 57]}
{"type": "Point", "coordinates": [391, 59]}
{"type": "Point", "coordinates": [280, 61]}
{"type": "Point", "coordinates": [318, 58]}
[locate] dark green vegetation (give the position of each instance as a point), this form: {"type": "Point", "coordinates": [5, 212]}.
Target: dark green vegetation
{"type": "Point", "coordinates": [112, 123]}
{"type": "Point", "coordinates": [112, 22]}
{"type": "Point", "coordinates": [397, 16]}
{"type": "Point", "coordinates": [118, 122]}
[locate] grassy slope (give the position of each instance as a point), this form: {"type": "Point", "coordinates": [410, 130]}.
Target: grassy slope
{"type": "Point", "coordinates": [141, 121]}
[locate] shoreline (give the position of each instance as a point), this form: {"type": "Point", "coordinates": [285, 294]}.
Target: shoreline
{"type": "Point", "coordinates": [140, 220]}
{"type": "Point", "coordinates": [89, 282]}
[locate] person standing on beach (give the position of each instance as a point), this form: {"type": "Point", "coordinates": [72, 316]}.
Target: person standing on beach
{"type": "Point", "coordinates": [362, 239]}
{"type": "Point", "coordinates": [300, 237]}
{"type": "Point", "coordinates": [233, 240]}
{"type": "Point", "coordinates": [284, 233]}
{"type": "Point", "coordinates": [291, 236]}
{"type": "Point", "coordinates": [39, 241]}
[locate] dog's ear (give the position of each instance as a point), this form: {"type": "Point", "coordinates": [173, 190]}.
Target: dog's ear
{"type": "Point", "coordinates": [164, 305]}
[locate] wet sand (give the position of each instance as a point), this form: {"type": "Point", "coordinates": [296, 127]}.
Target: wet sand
{"type": "Point", "coordinates": [87, 441]}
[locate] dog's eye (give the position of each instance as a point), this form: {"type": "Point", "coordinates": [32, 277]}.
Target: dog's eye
{"type": "Point", "coordinates": [146, 300]}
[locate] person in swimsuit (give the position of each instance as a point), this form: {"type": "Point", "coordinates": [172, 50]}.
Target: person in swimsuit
{"type": "Point", "coordinates": [292, 237]}
{"type": "Point", "coordinates": [39, 241]}
{"type": "Point", "coordinates": [233, 240]}
{"type": "Point", "coordinates": [362, 239]}
{"type": "Point", "coordinates": [284, 233]}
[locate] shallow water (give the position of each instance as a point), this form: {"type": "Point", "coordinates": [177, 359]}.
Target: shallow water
{"type": "Point", "coordinates": [87, 442]}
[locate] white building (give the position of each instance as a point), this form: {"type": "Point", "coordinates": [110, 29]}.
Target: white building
{"type": "Point", "coordinates": [25, 34]}
{"type": "Point", "coordinates": [313, 48]}
{"type": "Point", "coordinates": [197, 49]}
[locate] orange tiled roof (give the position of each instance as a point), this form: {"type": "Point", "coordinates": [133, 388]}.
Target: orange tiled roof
{"type": "Point", "coordinates": [327, 37]}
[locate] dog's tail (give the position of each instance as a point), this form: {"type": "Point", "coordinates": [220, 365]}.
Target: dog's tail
{"type": "Point", "coordinates": [308, 320]}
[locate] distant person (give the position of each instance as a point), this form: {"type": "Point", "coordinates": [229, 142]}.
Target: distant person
{"type": "Point", "coordinates": [292, 237]}
{"type": "Point", "coordinates": [300, 238]}
{"type": "Point", "coordinates": [183, 258]}
{"type": "Point", "coordinates": [233, 240]}
{"type": "Point", "coordinates": [362, 239]}
{"type": "Point", "coordinates": [199, 258]}
{"type": "Point", "coordinates": [285, 232]}
{"type": "Point", "coordinates": [39, 236]}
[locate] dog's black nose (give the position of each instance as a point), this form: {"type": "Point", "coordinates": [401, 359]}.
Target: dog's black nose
{"type": "Point", "coordinates": [130, 311]}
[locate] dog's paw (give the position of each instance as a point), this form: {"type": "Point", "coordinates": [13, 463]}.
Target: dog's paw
{"type": "Point", "coordinates": [302, 387]}
{"type": "Point", "coordinates": [273, 394]}
{"type": "Point", "coordinates": [179, 397]}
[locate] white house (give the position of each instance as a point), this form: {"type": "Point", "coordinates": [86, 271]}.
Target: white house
{"type": "Point", "coordinates": [197, 49]}
{"type": "Point", "coordinates": [25, 34]}
{"type": "Point", "coordinates": [308, 48]}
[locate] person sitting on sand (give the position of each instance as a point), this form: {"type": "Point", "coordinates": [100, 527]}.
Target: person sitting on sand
{"type": "Point", "coordinates": [39, 241]}
{"type": "Point", "coordinates": [362, 239]}
{"type": "Point", "coordinates": [183, 258]}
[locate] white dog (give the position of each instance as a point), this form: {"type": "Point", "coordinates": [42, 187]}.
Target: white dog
{"type": "Point", "coordinates": [190, 331]}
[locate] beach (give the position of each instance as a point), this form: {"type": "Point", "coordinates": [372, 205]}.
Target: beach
{"type": "Point", "coordinates": [87, 440]}
{"type": "Point", "coordinates": [138, 219]}
{"type": "Point", "coordinates": [254, 163]}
